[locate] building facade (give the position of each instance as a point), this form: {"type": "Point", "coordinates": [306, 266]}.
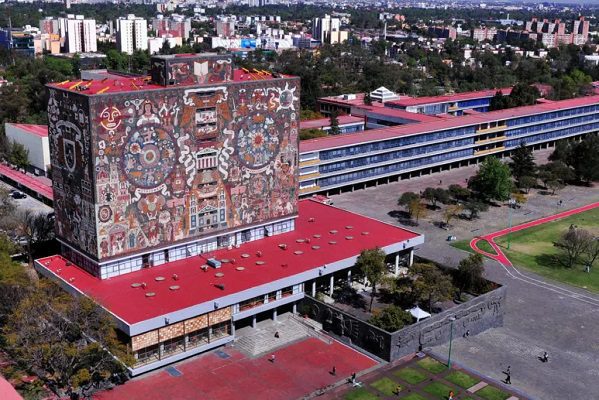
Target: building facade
{"type": "Point", "coordinates": [327, 30]}
{"type": "Point", "coordinates": [35, 139]}
{"type": "Point", "coordinates": [131, 34]}
{"type": "Point", "coordinates": [79, 34]}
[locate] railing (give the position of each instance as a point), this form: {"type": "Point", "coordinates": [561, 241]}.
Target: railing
{"type": "Point", "coordinates": [309, 162]}
{"type": "Point", "coordinates": [312, 175]}
{"type": "Point", "coordinates": [480, 152]}
{"type": "Point", "coordinates": [491, 140]}
{"type": "Point", "coordinates": [312, 330]}
{"type": "Point", "coordinates": [492, 129]}
{"type": "Point", "coordinates": [309, 189]}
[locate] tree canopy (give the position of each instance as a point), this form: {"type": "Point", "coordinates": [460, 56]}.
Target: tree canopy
{"type": "Point", "coordinates": [492, 181]}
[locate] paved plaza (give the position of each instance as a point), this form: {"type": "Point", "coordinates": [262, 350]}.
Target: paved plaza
{"type": "Point", "coordinates": [300, 368]}
{"type": "Point", "coordinates": [540, 315]}
{"type": "Point", "coordinates": [423, 378]}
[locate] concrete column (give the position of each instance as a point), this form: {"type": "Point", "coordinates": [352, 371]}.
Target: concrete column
{"type": "Point", "coordinates": [314, 288]}
{"type": "Point", "coordinates": [253, 321]}
{"type": "Point", "coordinates": [396, 272]}
{"type": "Point", "coordinates": [349, 276]}
{"type": "Point", "coordinates": [232, 328]}
{"type": "Point", "coordinates": [274, 314]}
{"type": "Point", "coordinates": [411, 261]}
{"type": "Point", "coordinates": [331, 284]}
{"type": "Point", "coordinates": [294, 309]}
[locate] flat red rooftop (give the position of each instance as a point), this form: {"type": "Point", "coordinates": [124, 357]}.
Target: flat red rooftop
{"type": "Point", "coordinates": [42, 186]}
{"type": "Point", "coordinates": [39, 130]}
{"type": "Point", "coordinates": [322, 235]}
{"type": "Point", "coordinates": [119, 84]}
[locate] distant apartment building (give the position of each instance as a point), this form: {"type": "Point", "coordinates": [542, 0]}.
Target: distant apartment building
{"type": "Point", "coordinates": [482, 34]}
{"type": "Point", "coordinates": [443, 32]}
{"type": "Point", "coordinates": [17, 41]}
{"type": "Point", "coordinates": [550, 34]}
{"type": "Point", "coordinates": [48, 43]}
{"type": "Point", "coordinates": [78, 34]}
{"type": "Point", "coordinates": [49, 25]}
{"type": "Point", "coordinates": [225, 28]}
{"type": "Point", "coordinates": [131, 34]}
{"type": "Point", "coordinates": [328, 30]}
{"type": "Point", "coordinates": [175, 25]}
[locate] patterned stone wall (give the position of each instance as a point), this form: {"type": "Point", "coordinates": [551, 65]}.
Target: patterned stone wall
{"type": "Point", "coordinates": [71, 144]}
{"type": "Point", "coordinates": [195, 324]}
{"type": "Point", "coordinates": [476, 315]}
{"type": "Point", "coordinates": [191, 69]}
{"type": "Point", "coordinates": [221, 315]}
{"type": "Point", "coordinates": [171, 331]}
{"type": "Point", "coordinates": [144, 340]}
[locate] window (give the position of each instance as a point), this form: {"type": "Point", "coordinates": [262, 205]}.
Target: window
{"type": "Point", "coordinates": [251, 303]}
{"type": "Point", "coordinates": [220, 330]}
{"type": "Point", "coordinates": [198, 338]}
{"type": "Point", "coordinates": [148, 354]}
{"type": "Point", "coordinates": [174, 345]}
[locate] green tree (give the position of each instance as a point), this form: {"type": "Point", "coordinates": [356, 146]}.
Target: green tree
{"type": "Point", "coordinates": [523, 162]}
{"type": "Point", "coordinates": [469, 275]}
{"type": "Point", "coordinates": [459, 193]}
{"type": "Point", "coordinates": [436, 195]}
{"type": "Point", "coordinates": [492, 181]}
{"type": "Point", "coordinates": [18, 155]}
{"type": "Point", "coordinates": [334, 124]}
{"type": "Point", "coordinates": [527, 182]}
{"type": "Point", "coordinates": [306, 134]}
{"type": "Point", "coordinates": [431, 284]}
{"type": "Point", "coordinates": [367, 99]}
{"type": "Point", "coordinates": [475, 207]}
{"type": "Point", "coordinates": [452, 211]}
{"type": "Point", "coordinates": [585, 159]}
{"type": "Point", "coordinates": [572, 245]}
{"type": "Point", "coordinates": [371, 264]}
{"type": "Point", "coordinates": [391, 318]}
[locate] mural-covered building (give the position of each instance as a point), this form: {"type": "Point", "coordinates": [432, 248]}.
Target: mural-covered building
{"type": "Point", "coordinates": [199, 157]}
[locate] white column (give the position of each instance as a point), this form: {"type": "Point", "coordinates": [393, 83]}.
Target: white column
{"type": "Point", "coordinates": [411, 258]}
{"type": "Point", "coordinates": [253, 321]}
{"type": "Point", "coordinates": [331, 283]}
{"type": "Point", "coordinates": [314, 288]}
{"type": "Point", "coordinates": [274, 314]}
{"type": "Point", "coordinates": [294, 310]}
{"type": "Point", "coordinates": [232, 328]}
{"type": "Point", "coordinates": [349, 276]}
{"type": "Point", "coordinates": [396, 264]}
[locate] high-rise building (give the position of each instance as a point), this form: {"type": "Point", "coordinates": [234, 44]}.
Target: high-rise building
{"type": "Point", "coordinates": [328, 30]}
{"type": "Point", "coordinates": [78, 34]}
{"type": "Point", "coordinates": [225, 28]}
{"type": "Point", "coordinates": [131, 34]}
{"type": "Point", "coordinates": [49, 25]}
{"type": "Point", "coordinates": [175, 25]}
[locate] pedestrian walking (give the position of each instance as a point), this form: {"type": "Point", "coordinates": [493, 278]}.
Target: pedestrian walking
{"type": "Point", "coordinates": [545, 357]}
{"type": "Point", "coordinates": [277, 334]}
{"type": "Point", "coordinates": [450, 397]}
{"type": "Point", "coordinates": [334, 371]}
{"type": "Point", "coordinates": [440, 182]}
{"type": "Point", "coordinates": [353, 377]}
{"type": "Point", "coordinates": [397, 390]}
{"type": "Point", "coordinates": [272, 358]}
{"type": "Point", "coordinates": [508, 375]}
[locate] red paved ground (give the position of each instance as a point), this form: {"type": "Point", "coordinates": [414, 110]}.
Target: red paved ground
{"type": "Point", "coordinates": [500, 256]}
{"type": "Point", "coordinates": [40, 185]}
{"type": "Point", "coordinates": [299, 369]}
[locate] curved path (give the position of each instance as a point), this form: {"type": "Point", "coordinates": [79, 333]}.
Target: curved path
{"type": "Point", "coordinates": [500, 256]}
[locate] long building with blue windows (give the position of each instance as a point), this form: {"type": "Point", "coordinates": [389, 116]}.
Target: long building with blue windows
{"type": "Point", "coordinates": [335, 163]}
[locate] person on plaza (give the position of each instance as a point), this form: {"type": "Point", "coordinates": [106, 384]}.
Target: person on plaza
{"type": "Point", "coordinates": [277, 334]}
{"type": "Point", "coordinates": [334, 371]}
{"type": "Point", "coordinates": [353, 377]}
{"type": "Point", "coordinates": [545, 357]}
{"type": "Point", "coordinates": [508, 375]}
{"type": "Point", "coordinates": [272, 358]}
{"type": "Point", "coordinates": [397, 390]}
{"type": "Point", "coordinates": [450, 397]}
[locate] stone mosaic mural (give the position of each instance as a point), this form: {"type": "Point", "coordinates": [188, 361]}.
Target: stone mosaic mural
{"type": "Point", "coordinates": [176, 163]}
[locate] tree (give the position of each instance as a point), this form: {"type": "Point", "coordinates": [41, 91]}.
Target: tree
{"type": "Point", "coordinates": [334, 124]}
{"type": "Point", "coordinates": [475, 207]}
{"type": "Point", "coordinates": [431, 284]}
{"type": "Point", "coordinates": [585, 159]}
{"type": "Point", "coordinates": [451, 212]}
{"type": "Point", "coordinates": [590, 254]}
{"type": "Point", "coordinates": [572, 245]}
{"type": "Point", "coordinates": [367, 99]}
{"type": "Point", "coordinates": [557, 171]}
{"type": "Point", "coordinates": [469, 275]}
{"type": "Point", "coordinates": [14, 281]}
{"type": "Point", "coordinates": [406, 198]}
{"type": "Point", "coordinates": [306, 134]}
{"type": "Point", "coordinates": [417, 209]}
{"type": "Point", "coordinates": [554, 185]}
{"type": "Point", "coordinates": [18, 155]}
{"type": "Point", "coordinates": [371, 263]}
{"type": "Point", "coordinates": [561, 152]}
{"type": "Point", "coordinates": [523, 163]}
{"type": "Point", "coordinates": [527, 182]}
{"type": "Point", "coordinates": [434, 195]}
{"type": "Point", "coordinates": [459, 193]}
{"type": "Point", "coordinates": [391, 318]}
{"type": "Point", "coordinates": [35, 228]}
{"type": "Point", "coordinates": [492, 181]}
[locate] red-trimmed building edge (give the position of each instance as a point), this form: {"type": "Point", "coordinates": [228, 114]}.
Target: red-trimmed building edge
{"type": "Point", "coordinates": [150, 304]}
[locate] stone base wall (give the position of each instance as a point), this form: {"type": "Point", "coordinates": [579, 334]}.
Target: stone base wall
{"type": "Point", "coordinates": [477, 315]}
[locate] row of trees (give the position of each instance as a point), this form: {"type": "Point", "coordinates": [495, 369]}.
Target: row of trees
{"type": "Point", "coordinates": [577, 246]}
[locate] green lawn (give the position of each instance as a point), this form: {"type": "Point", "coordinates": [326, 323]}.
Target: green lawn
{"type": "Point", "coordinates": [486, 246]}
{"type": "Point", "coordinates": [439, 390]}
{"type": "Point", "coordinates": [491, 393]}
{"type": "Point", "coordinates": [462, 379]}
{"type": "Point", "coordinates": [385, 385]}
{"type": "Point", "coordinates": [360, 394]}
{"type": "Point", "coordinates": [465, 245]}
{"type": "Point", "coordinates": [431, 365]}
{"type": "Point", "coordinates": [410, 375]}
{"type": "Point", "coordinates": [533, 249]}
{"type": "Point", "coordinates": [413, 396]}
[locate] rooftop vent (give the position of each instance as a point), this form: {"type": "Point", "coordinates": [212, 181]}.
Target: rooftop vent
{"type": "Point", "coordinates": [150, 294]}
{"type": "Point", "coordinates": [175, 277]}
{"type": "Point", "coordinates": [220, 286]}
{"type": "Point", "coordinates": [214, 263]}
{"type": "Point", "coordinates": [283, 246]}
{"type": "Point", "coordinates": [174, 287]}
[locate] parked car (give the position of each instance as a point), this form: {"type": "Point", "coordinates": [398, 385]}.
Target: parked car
{"type": "Point", "coordinates": [18, 195]}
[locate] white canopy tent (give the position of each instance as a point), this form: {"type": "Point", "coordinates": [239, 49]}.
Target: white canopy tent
{"type": "Point", "coordinates": [418, 313]}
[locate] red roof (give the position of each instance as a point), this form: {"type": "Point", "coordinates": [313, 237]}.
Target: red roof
{"type": "Point", "coordinates": [330, 142]}
{"type": "Point", "coordinates": [397, 113]}
{"type": "Point", "coordinates": [415, 101]}
{"type": "Point", "coordinates": [40, 185]}
{"type": "Point", "coordinates": [197, 287]}
{"type": "Point", "coordinates": [118, 84]}
{"type": "Point", "coordinates": [7, 392]}
{"type": "Point", "coordinates": [325, 122]}
{"type": "Point", "coordinates": [39, 130]}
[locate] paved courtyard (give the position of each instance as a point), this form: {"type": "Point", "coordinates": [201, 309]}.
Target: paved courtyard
{"type": "Point", "coordinates": [299, 369]}
{"type": "Point", "coordinates": [423, 378]}
{"type": "Point", "coordinates": [540, 315]}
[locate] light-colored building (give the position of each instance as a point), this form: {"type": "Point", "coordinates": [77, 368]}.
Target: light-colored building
{"type": "Point", "coordinates": [48, 43]}
{"type": "Point", "coordinates": [225, 28]}
{"type": "Point", "coordinates": [78, 33]}
{"type": "Point", "coordinates": [328, 30]}
{"type": "Point", "coordinates": [155, 44]}
{"type": "Point", "coordinates": [35, 139]}
{"type": "Point", "coordinates": [131, 34]}
{"type": "Point", "coordinates": [176, 25]}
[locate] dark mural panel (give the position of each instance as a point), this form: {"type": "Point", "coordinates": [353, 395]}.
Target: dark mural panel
{"type": "Point", "coordinates": [182, 163]}
{"type": "Point", "coordinates": [72, 168]}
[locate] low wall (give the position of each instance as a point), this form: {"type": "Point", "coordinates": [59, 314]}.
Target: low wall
{"type": "Point", "coordinates": [477, 315]}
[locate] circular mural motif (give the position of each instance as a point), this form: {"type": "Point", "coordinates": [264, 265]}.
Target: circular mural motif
{"type": "Point", "coordinates": [258, 141]}
{"type": "Point", "coordinates": [104, 214]}
{"type": "Point", "coordinates": [149, 157]}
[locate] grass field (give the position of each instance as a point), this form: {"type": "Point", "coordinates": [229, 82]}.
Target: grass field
{"type": "Point", "coordinates": [491, 393]}
{"type": "Point", "coordinates": [431, 365]}
{"type": "Point", "coordinates": [385, 385]}
{"type": "Point", "coordinates": [465, 245]}
{"type": "Point", "coordinates": [461, 379]}
{"type": "Point", "coordinates": [533, 249]}
{"type": "Point", "coordinates": [438, 390]}
{"type": "Point", "coordinates": [410, 375]}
